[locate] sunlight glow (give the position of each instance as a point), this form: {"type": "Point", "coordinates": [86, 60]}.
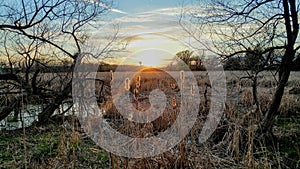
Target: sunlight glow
{"type": "Point", "coordinates": [157, 41]}
{"type": "Point", "coordinates": [150, 58]}
{"type": "Point", "coordinates": [153, 50]}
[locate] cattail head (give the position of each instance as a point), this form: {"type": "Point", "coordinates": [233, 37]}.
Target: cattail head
{"type": "Point", "coordinates": [174, 102]}
{"type": "Point", "coordinates": [139, 78]}
{"type": "Point", "coordinates": [136, 92]}
{"type": "Point", "coordinates": [138, 82]}
{"type": "Point", "coordinates": [192, 89]}
{"type": "Point", "coordinates": [182, 79]}
{"type": "Point", "coordinates": [182, 75]}
{"type": "Point", "coordinates": [127, 84]}
{"type": "Point", "coordinates": [111, 75]}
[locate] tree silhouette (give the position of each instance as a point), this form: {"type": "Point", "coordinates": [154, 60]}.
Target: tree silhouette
{"type": "Point", "coordinates": [238, 27]}
{"type": "Point", "coordinates": [37, 35]}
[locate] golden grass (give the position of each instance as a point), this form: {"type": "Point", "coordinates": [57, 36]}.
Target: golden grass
{"type": "Point", "coordinates": [231, 145]}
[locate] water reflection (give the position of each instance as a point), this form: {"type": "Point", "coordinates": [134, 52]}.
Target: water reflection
{"type": "Point", "coordinates": [30, 113]}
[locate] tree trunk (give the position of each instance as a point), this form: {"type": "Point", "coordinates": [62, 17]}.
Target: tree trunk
{"type": "Point", "coordinates": [50, 108]}
{"type": "Point", "coordinates": [13, 104]}
{"type": "Point", "coordinates": [268, 121]}
{"type": "Point", "coordinates": [5, 112]}
{"type": "Point", "coordinates": [292, 29]}
{"type": "Point", "coordinates": [254, 92]}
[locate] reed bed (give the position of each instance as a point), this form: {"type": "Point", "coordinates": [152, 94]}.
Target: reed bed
{"type": "Point", "coordinates": [232, 145]}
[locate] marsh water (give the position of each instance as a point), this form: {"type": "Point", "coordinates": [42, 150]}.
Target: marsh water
{"type": "Point", "coordinates": [29, 114]}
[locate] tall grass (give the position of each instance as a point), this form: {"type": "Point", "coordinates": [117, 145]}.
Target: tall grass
{"type": "Point", "coordinates": [232, 145]}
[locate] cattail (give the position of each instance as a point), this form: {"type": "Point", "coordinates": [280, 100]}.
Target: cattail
{"type": "Point", "coordinates": [139, 79]}
{"type": "Point", "coordinates": [138, 82]}
{"type": "Point", "coordinates": [135, 92]}
{"type": "Point", "coordinates": [182, 79]}
{"type": "Point", "coordinates": [192, 90]}
{"type": "Point", "coordinates": [111, 77]}
{"type": "Point", "coordinates": [136, 99]}
{"type": "Point", "coordinates": [182, 75]}
{"type": "Point", "coordinates": [174, 102]}
{"type": "Point", "coordinates": [130, 117]}
{"type": "Point", "coordinates": [127, 84]}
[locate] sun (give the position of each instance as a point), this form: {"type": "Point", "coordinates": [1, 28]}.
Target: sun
{"type": "Point", "coordinates": [149, 59]}
{"type": "Point", "coordinates": [152, 57]}
{"type": "Point", "coordinates": [152, 49]}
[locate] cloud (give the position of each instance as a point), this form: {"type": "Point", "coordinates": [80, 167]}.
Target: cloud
{"type": "Point", "coordinates": [140, 18]}
{"type": "Point", "coordinates": [159, 29]}
{"type": "Point", "coordinates": [172, 11]}
{"type": "Point", "coordinates": [99, 3]}
{"type": "Point", "coordinates": [134, 38]}
{"type": "Point", "coordinates": [150, 16]}
{"type": "Point", "coordinates": [133, 27]}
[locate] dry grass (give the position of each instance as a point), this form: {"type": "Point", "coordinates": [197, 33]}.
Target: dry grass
{"type": "Point", "coordinates": [232, 145]}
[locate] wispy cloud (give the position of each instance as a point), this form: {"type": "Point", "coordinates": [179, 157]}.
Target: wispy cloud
{"type": "Point", "coordinates": [158, 29]}
{"type": "Point", "coordinates": [140, 18]}
{"type": "Point", "coordinates": [101, 4]}
{"type": "Point", "coordinates": [134, 38]}
{"type": "Point", "coordinates": [172, 11]}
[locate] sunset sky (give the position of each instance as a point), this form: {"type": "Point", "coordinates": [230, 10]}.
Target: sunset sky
{"type": "Point", "coordinates": [144, 26]}
{"type": "Point", "coordinates": [147, 25]}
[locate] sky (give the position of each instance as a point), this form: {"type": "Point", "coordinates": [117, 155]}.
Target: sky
{"type": "Point", "coordinates": [148, 27]}
{"type": "Point", "coordinates": [140, 6]}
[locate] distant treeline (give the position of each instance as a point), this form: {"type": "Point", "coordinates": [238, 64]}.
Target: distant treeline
{"type": "Point", "coordinates": [230, 64]}
{"type": "Point", "coordinates": [64, 68]}
{"type": "Point", "coordinates": [236, 63]}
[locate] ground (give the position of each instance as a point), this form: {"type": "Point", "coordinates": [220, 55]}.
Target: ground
{"type": "Point", "coordinates": [63, 144]}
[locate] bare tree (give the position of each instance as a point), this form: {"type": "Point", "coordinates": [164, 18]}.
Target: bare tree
{"type": "Point", "coordinates": [39, 34]}
{"type": "Point", "coordinates": [237, 27]}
